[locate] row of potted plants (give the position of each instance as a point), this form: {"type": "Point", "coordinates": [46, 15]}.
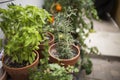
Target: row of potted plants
{"type": "Point", "coordinates": [81, 22]}
{"type": "Point", "coordinates": [33, 38]}
{"type": "Point", "coordinates": [27, 42]}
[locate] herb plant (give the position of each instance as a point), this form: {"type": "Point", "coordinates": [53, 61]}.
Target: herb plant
{"type": "Point", "coordinates": [17, 17]}
{"type": "Point", "coordinates": [64, 39]}
{"type": "Point", "coordinates": [23, 31]}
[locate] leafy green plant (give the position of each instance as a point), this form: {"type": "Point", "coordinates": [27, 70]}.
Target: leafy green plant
{"type": "Point", "coordinates": [17, 17]}
{"type": "Point", "coordinates": [23, 29]}
{"type": "Point", "coordinates": [20, 47]}
{"type": "Point", "coordinates": [53, 72]}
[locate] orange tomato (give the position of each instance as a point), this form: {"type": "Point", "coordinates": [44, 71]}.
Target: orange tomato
{"type": "Point", "coordinates": [58, 7]}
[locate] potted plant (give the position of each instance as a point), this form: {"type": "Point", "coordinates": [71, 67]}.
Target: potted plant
{"type": "Point", "coordinates": [81, 22]}
{"type": "Point", "coordinates": [64, 51]}
{"type": "Point", "coordinates": [51, 71]}
{"type": "Point", "coordinates": [47, 40]}
{"type": "Point", "coordinates": [22, 27]}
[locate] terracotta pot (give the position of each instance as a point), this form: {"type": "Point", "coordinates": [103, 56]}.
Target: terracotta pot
{"type": "Point", "coordinates": [64, 62]}
{"type": "Point", "coordinates": [42, 47]}
{"type": "Point", "coordinates": [4, 75]}
{"type": "Point", "coordinates": [20, 73]}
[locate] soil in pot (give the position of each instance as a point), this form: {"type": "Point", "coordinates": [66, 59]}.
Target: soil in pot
{"type": "Point", "coordinates": [65, 62]}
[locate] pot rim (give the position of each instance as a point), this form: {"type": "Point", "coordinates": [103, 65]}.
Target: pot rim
{"type": "Point", "coordinates": [77, 48]}
{"type": "Point", "coordinates": [37, 59]}
{"type": "Point", "coordinates": [52, 38]}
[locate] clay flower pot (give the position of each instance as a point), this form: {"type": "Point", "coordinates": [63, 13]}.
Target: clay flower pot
{"type": "Point", "coordinates": [4, 75]}
{"type": "Point", "coordinates": [64, 62]}
{"type": "Point", "coordinates": [42, 45]}
{"type": "Point", "coordinates": [20, 73]}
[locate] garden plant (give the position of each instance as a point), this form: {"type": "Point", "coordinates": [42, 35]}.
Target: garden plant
{"type": "Point", "coordinates": [81, 22]}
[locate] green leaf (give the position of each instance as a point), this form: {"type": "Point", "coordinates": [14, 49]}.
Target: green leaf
{"type": "Point", "coordinates": [33, 56]}
{"type": "Point", "coordinates": [30, 60]}
{"type": "Point", "coordinates": [15, 58]}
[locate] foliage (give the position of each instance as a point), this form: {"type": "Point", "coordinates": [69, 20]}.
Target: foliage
{"type": "Point", "coordinates": [17, 17]}
{"type": "Point", "coordinates": [87, 65]}
{"type": "Point", "coordinates": [20, 47]}
{"type": "Point", "coordinates": [23, 31]}
{"type": "Point", "coordinates": [53, 72]}
{"type": "Point", "coordinates": [63, 37]}
{"type": "Point", "coordinates": [81, 20]}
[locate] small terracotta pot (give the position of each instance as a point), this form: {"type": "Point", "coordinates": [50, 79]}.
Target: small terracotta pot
{"type": "Point", "coordinates": [42, 46]}
{"type": "Point", "coordinates": [20, 73]}
{"type": "Point", "coordinates": [64, 62]}
{"type": "Point", "coordinates": [4, 75]}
